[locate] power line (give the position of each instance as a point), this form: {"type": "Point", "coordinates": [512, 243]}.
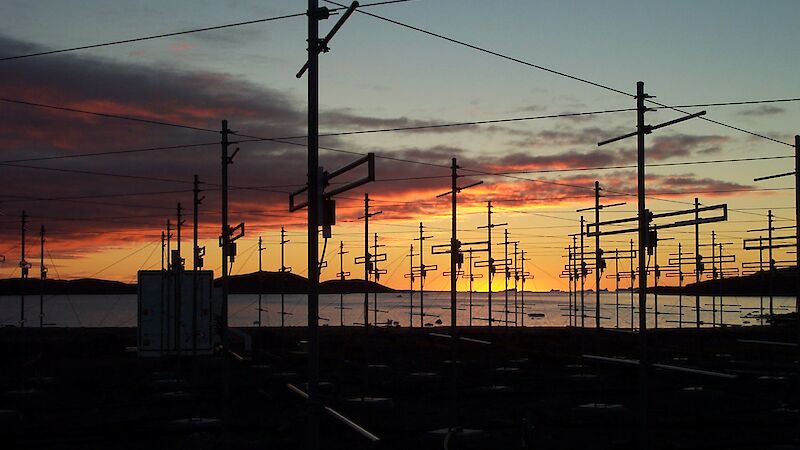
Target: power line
{"type": "Point", "coordinates": [179, 33]}
{"type": "Point", "coordinates": [487, 51]}
{"type": "Point", "coordinates": [553, 71]}
{"type": "Point", "coordinates": [151, 37]}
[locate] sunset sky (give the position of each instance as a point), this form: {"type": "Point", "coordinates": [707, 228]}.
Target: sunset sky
{"type": "Point", "coordinates": [104, 214]}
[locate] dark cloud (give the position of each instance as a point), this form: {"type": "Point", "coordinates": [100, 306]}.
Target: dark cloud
{"type": "Point", "coordinates": [92, 210]}
{"type": "Point", "coordinates": [760, 111]}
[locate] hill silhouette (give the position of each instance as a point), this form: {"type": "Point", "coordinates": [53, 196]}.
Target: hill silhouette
{"type": "Point", "coordinates": [251, 283]}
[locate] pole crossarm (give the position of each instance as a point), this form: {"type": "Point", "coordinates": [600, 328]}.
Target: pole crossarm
{"type": "Point", "coordinates": [647, 129]}
{"type": "Point", "coordinates": [746, 244]}
{"type": "Point", "coordinates": [681, 223]}
{"type": "Point", "coordinates": [368, 159]}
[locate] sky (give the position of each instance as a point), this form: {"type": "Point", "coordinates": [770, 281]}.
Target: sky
{"type": "Point", "coordinates": [104, 214]}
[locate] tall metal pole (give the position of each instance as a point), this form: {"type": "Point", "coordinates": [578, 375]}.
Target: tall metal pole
{"type": "Point", "coordinates": [583, 275]}
{"type": "Point", "coordinates": [597, 255]}
{"type": "Point", "coordinates": [23, 264]}
{"type": "Point", "coordinates": [367, 265]}
{"type": "Point", "coordinates": [516, 278]}
{"type": "Point", "coordinates": [421, 278]}
{"type": "Point", "coordinates": [719, 286]}
{"type": "Point", "coordinates": [375, 277]}
{"type": "Point", "coordinates": [761, 277]}
{"type": "Point", "coordinates": [713, 278]}
{"type": "Point", "coordinates": [454, 251]}
{"type": "Point", "coordinates": [341, 278]}
{"type": "Point", "coordinates": [195, 258]}
{"type": "Point", "coordinates": [178, 229]}
{"type": "Point", "coordinates": [471, 278]}
{"type": "Point", "coordinates": [169, 244]}
{"type": "Point", "coordinates": [616, 286]}
{"type": "Point", "coordinates": [284, 241]}
{"type": "Point", "coordinates": [680, 286]}
{"type": "Point", "coordinates": [633, 281]}
{"type": "Point", "coordinates": [260, 276]}
{"type": "Point", "coordinates": [411, 287]}
{"type": "Point", "coordinates": [656, 275]}
{"type": "Point", "coordinates": [163, 287]}
{"type": "Point", "coordinates": [491, 261]}
{"type": "Point", "coordinates": [225, 241]}
{"type": "Point", "coordinates": [522, 292]}
{"type": "Point", "coordinates": [314, 48]}
{"type": "Point", "coordinates": [367, 259]}
{"type": "Point", "coordinates": [644, 223]}
{"type": "Point", "coordinates": [771, 266]}
{"type": "Point", "coordinates": [697, 261]}
{"type": "Point", "coordinates": [42, 277]}
{"type": "Point", "coordinates": [505, 264]}
{"type": "Point", "coordinates": [178, 282]}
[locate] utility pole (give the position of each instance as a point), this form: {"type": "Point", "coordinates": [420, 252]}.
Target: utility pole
{"type": "Point", "coordinates": [523, 275]}
{"type": "Point", "coordinates": [573, 309]}
{"type": "Point", "coordinates": [583, 275]}
{"type": "Point", "coordinates": [771, 267]}
{"type": "Point", "coordinates": [505, 264]}
{"type": "Point", "coordinates": [342, 276]}
{"type": "Point", "coordinates": [367, 261]}
{"type": "Point", "coordinates": [599, 262]}
{"type": "Point", "coordinates": [516, 280]}
{"type": "Point", "coordinates": [456, 260]}
{"type": "Point", "coordinates": [197, 255]}
{"type": "Point", "coordinates": [616, 286]}
{"type": "Point", "coordinates": [714, 278]}
{"type": "Point", "coordinates": [490, 262]}
{"type": "Point", "coordinates": [169, 244]}
{"type": "Point", "coordinates": [680, 287]}
{"type": "Point", "coordinates": [633, 282]}
{"type": "Point", "coordinates": [178, 229]}
{"type": "Point", "coordinates": [410, 276]}
{"type": "Point", "coordinates": [24, 267]}
{"type": "Point", "coordinates": [42, 278]}
{"type": "Point", "coordinates": [644, 218]}
{"type": "Point", "coordinates": [260, 276]}
{"type": "Point", "coordinates": [178, 268]}
{"type": "Point", "coordinates": [698, 265]}
{"type": "Point", "coordinates": [284, 241]}
{"type": "Point", "coordinates": [471, 279]}
{"type": "Point", "coordinates": [224, 241]}
{"type": "Point", "coordinates": [422, 274]}
{"type": "Point", "coordinates": [376, 257]}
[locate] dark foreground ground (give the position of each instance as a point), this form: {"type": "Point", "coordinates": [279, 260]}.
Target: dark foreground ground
{"type": "Point", "coordinates": [531, 388]}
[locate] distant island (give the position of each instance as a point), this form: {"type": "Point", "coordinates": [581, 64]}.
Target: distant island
{"type": "Point", "coordinates": [251, 283]}
{"type": "Point", "coordinates": [783, 284]}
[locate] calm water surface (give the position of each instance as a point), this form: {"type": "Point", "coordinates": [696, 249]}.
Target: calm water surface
{"type": "Point", "coordinates": [541, 309]}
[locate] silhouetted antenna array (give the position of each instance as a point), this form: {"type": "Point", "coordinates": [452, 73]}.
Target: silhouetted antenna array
{"type": "Point", "coordinates": [421, 271]}
{"type": "Point", "coordinates": [342, 275]}
{"type": "Point", "coordinates": [618, 255]}
{"type": "Point", "coordinates": [489, 263]}
{"type": "Point", "coordinates": [599, 261]}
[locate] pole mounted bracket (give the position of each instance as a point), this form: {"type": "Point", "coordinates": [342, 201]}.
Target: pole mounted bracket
{"type": "Point", "coordinates": [321, 45]}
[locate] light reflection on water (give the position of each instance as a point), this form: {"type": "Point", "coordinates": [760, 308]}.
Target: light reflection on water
{"type": "Point", "coordinates": [550, 308]}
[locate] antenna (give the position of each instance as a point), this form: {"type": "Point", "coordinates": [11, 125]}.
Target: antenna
{"type": "Point", "coordinates": [489, 263]}
{"type": "Point", "coordinates": [42, 278]}
{"type": "Point", "coordinates": [643, 129]}
{"type": "Point", "coordinates": [284, 269]}
{"type": "Point", "coordinates": [342, 276]}
{"type": "Point", "coordinates": [599, 261]}
{"type": "Point", "coordinates": [24, 267]}
{"type": "Point", "coordinates": [197, 256]}
{"type": "Point", "coordinates": [796, 174]}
